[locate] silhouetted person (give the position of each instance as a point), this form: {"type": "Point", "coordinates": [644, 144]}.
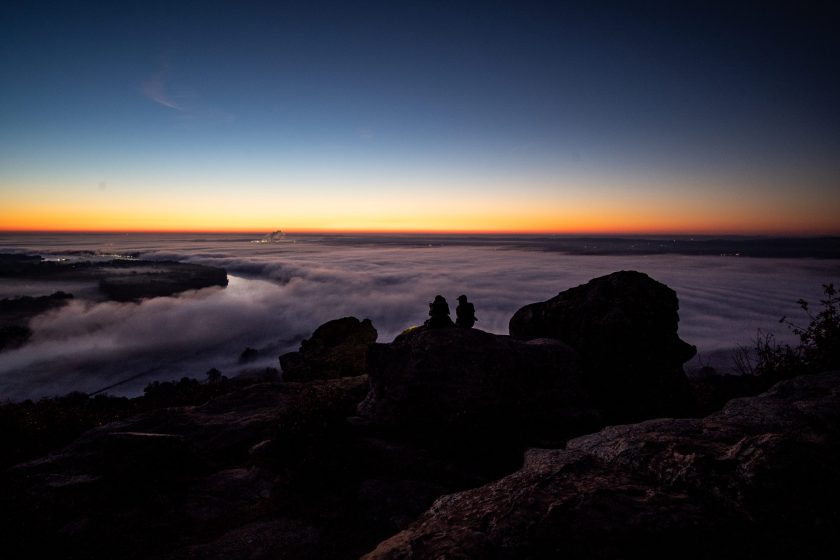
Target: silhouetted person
{"type": "Point", "coordinates": [439, 314]}
{"type": "Point", "coordinates": [465, 313]}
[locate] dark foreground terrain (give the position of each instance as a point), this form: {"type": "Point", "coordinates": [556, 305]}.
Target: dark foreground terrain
{"type": "Point", "coordinates": [577, 436]}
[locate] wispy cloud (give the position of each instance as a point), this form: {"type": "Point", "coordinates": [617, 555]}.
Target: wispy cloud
{"type": "Point", "coordinates": [189, 106]}
{"type": "Point", "coordinates": [155, 89]}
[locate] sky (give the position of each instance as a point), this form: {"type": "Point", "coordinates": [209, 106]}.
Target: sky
{"type": "Point", "coordinates": [578, 117]}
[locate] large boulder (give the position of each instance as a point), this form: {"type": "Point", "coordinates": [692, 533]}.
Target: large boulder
{"type": "Point", "coordinates": [624, 325]}
{"type": "Point", "coordinates": [755, 480]}
{"type": "Point", "coordinates": [449, 382]}
{"type": "Point", "coordinates": [336, 349]}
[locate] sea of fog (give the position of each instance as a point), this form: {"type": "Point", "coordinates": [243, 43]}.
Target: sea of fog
{"type": "Point", "coordinates": [280, 292]}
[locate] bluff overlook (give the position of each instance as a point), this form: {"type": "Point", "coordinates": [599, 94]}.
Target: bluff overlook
{"type": "Point", "coordinates": [446, 442]}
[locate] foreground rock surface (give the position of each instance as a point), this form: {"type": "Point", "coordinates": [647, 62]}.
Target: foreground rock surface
{"type": "Point", "coordinates": [276, 470]}
{"type": "Point", "coordinates": [624, 326]}
{"type": "Point", "coordinates": [158, 484]}
{"type": "Point", "coordinates": [265, 471]}
{"type": "Point", "coordinates": [336, 349]}
{"type": "Point", "coordinates": [757, 479]}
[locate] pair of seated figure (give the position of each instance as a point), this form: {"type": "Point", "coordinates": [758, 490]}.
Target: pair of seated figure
{"type": "Point", "coordinates": [439, 313]}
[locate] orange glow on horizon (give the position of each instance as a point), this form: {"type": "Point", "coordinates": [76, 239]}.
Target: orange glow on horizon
{"type": "Point", "coordinates": [595, 231]}
{"type": "Point", "coordinates": [555, 212]}
{"type": "Point", "coordinates": [569, 227]}
{"type": "Point", "coordinates": [509, 227]}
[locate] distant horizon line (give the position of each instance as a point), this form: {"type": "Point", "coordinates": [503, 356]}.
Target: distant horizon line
{"type": "Point", "coordinates": [420, 232]}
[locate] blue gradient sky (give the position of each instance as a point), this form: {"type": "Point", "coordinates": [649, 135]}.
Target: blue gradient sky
{"type": "Point", "coordinates": [513, 116]}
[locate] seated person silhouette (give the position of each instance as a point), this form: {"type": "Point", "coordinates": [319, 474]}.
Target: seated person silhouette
{"type": "Point", "coordinates": [439, 314]}
{"type": "Point", "coordinates": [465, 313]}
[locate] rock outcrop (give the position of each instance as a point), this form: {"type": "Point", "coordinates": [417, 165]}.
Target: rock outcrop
{"type": "Point", "coordinates": [337, 348]}
{"type": "Point", "coordinates": [466, 382]}
{"type": "Point", "coordinates": [624, 325]}
{"type": "Point", "coordinates": [605, 352]}
{"type": "Point", "coordinates": [757, 479]}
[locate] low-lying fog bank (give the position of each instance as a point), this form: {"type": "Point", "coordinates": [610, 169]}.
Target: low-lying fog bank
{"type": "Point", "coordinates": [279, 293]}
